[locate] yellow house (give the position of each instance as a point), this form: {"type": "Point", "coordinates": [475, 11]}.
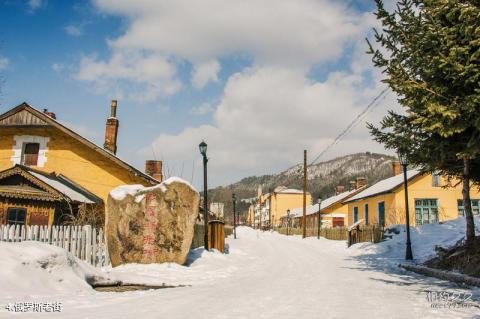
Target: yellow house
{"type": "Point", "coordinates": [48, 171]}
{"type": "Point", "coordinates": [333, 210]}
{"type": "Point", "coordinates": [429, 201]}
{"type": "Point", "coordinates": [271, 206]}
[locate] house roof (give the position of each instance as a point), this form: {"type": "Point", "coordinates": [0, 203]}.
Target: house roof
{"type": "Point", "coordinates": [35, 117]}
{"type": "Point", "coordinates": [384, 186]}
{"type": "Point", "coordinates": [51, 187]}
{"type": "Point", "coordinates": [313, 209]}
{"type": "Point", "coordinates": [290, 191]}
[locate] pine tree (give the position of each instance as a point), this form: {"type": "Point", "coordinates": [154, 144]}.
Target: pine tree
{"type": "Point", "coordinates": [430, 54]}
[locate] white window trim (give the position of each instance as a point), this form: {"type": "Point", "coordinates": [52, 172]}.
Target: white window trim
{"type": "Point", "coordinates": [18, 147]}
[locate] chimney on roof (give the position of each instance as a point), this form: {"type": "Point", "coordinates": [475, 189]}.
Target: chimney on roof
{"type": "Point", "coordinates": [339, 189]}
{"type": "Point", "coordinates": [361, 181]}
{"type": "Point", "coordinates": [111, 130]}
{"type": "Point", "coordinates": [49, 114]}
{"type": "Point", "coordinates": [154, 169]}
{"type": "Point", "coordinates": [397, 168]}
{"type": "Point", "coordinates": [353, 185]}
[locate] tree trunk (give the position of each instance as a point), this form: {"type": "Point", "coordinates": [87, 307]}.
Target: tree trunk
{"type": "Point", "coordinates": [467, 204]}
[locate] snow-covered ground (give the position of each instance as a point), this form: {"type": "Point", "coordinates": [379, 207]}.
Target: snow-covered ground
{"type": "Point", "coordinates": [265, 275]}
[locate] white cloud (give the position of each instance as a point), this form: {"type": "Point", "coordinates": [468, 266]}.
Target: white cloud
{"type": "Point", "coordinates": [145, 76]}
{"type": "Point", "coordinates": [202, 109]}
{"type": "Point", "coordinates": [73, 30]}
{"type": "Point", "coordinates": [35, 4]}
{"type": "Point", "coordinates": [204, 73]}
{"type": "Point", "coordinates": [267, 116]}
{"type": "Point", "coordinates": [272, 31]}
{"type": "Point", "coordinates": [269, 112]}
{"type": "Point", "coordinates": [4, 62]}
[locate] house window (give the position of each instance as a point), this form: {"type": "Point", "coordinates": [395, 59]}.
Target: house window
{"type": "Point", "coordinates": [366, 214]}
{"type": "Point", "coordinates": [30, 154]}
{"type": "Point", "coordinates": [436, 180]}
{"type": "Point", "coordinates": [355, 214]}
{"type": "Point", "coordinates": [16, 216]}
{"type": "Point", "coordinates": [475, 207]}
{"type": "Point", "coordinates": [426, 211]}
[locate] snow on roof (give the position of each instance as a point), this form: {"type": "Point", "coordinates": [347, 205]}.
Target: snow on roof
{"type": "Point", "coordinates": [290, 191]}
{"type": "Point", "coordinates": [54, 182]}
{"type": "Point", "coordinates": [384, 186]}
{"type": "Point", "coordinates": [313, 209]}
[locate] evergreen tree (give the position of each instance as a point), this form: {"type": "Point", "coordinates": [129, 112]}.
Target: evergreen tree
{"type": "Point", "coordinates": [430, 54]}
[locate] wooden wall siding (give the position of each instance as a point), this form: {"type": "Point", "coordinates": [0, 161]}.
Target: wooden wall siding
{"type": "Point", "coordinates": [84, 242]}
{"type": "Point", "coordinates": [22, 118]}
{"type": "Point", "coordinates": [37, 212]}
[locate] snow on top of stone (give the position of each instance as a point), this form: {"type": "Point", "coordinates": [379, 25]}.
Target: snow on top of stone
{"type": "Point", "coordinates": [384, 185]}
{"type": "Point", "coordinates": [179, 180]}
{"type": "Point", "coordinates": [136, 190]}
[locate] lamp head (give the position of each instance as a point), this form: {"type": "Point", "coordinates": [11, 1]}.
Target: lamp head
{"type": "Point", "coordinates": [203, 148]}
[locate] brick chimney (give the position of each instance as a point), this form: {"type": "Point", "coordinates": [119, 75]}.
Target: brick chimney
{"type": "Point", "coordinates": [154, 169]}
{"type": "Point", "coordinates": [339, 189]}
{"type": "Point", "coordinates": [353, 185]}
{"type": "Point", "coordinates": [111, 130]}
{"type": "Point", "coordinates": [397, 168]}
{"type": "Point", "coordinates": [49, 114]}
{"type": "Point", "coordinates": [361, 181]}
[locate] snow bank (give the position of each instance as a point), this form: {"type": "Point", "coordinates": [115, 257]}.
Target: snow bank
{"type": "Point", "coordinates": [424, 239]}
{"type": "Point", "coordinates": [33, 268]}
{"type": "Point", "coordinates": [119, 193]}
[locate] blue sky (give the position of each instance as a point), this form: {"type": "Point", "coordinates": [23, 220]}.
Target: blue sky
{"type": "Point", "coordinates": [259, 82]}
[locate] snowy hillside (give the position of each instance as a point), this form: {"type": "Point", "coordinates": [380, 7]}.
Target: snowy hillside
{"type": "Point", "coordinates": [323, 177]}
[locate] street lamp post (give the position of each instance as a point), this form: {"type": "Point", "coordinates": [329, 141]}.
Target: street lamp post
{"type": "Point", "coordinates": [203, 150]}
{"type": "Point", "coordinates": [234, 201]}
{"type": "Point", "coordinates": [319, 217]}
{"type": "Point", "coordinates": [404, 161]}
{"type": "Point", "coordinates": [288, 221]}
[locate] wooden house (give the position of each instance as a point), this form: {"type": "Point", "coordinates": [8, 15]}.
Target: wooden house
{"type": "Point", "coordinates": [48, 171]}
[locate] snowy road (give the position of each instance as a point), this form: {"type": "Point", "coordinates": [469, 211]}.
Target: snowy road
{"type": "Point", "coordinates": [267, 275]}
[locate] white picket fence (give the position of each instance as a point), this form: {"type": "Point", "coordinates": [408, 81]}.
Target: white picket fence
{"type": "Point", "coordinates": [84, 242]}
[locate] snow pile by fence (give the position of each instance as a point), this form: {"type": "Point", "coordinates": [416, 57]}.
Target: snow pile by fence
{"type": "Point", "coordinates": [34, 268]}
{"type": "Point", "coordinates": [424, 239]}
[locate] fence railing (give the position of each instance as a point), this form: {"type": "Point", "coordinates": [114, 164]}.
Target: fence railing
{"type": "Point", "coordinates": [85, 242]}
{"type": "Point", "coordinates": [371, 233]}
{"type": "Point", "coordinates": [336, 233]}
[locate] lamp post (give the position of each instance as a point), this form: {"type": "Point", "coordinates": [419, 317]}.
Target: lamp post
{"type": "Point", "coordinates": [203, 150]}
{"type": "Point", "coordinates": [404, 162]}
{"type": "Point", "coordinates": [319, 217]}
{"type": "Point", "coordinates": [288, 221]}
{"type": "Point", "coordinates": [234, 201]}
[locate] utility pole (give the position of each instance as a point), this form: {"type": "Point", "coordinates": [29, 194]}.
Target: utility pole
{"type": "Point", "coordinates": [234, 202]}
{"type": "Point", "coordinates": [304, 219]}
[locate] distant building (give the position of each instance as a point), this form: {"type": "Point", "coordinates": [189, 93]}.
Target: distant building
{"type": "Point", "coordinates": [334, 212]}
{"type": "Point", "coordinates": [429, 201]}
{"type": "Point", "coordinates": [48, 171]}
{"type": "Point", "coordinates": [270, 207]}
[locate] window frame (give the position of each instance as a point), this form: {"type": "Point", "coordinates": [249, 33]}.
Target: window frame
{"type": "Point", "coordinates": [17, 210]}
{"type": "Point", "coordinates": [27, 159]}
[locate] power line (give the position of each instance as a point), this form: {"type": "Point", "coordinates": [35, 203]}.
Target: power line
{"type": "Point", "coordinates": [352, 124]}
